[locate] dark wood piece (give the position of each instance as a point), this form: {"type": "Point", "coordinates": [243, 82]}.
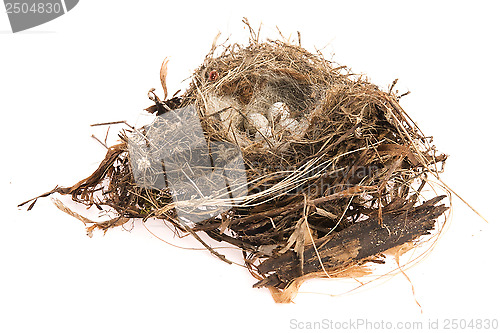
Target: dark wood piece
{"type": "Point", "coordinates": [353, 244]}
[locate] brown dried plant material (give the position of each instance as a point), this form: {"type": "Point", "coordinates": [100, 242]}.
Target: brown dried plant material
{"type": "Point", "coordinates": [335, 167]}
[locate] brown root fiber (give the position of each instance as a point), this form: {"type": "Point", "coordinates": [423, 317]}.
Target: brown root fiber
{"type": "Point", "coordinates": [335, 166]}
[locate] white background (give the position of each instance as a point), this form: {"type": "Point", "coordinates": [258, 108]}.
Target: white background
{"type": "Point", "coordinates": [96, 64]}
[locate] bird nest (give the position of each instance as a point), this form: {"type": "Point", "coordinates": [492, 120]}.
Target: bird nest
{"type": "Point", "coordinates": [307, 168]}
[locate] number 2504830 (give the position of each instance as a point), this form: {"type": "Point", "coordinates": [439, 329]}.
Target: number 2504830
{"type": "Point", "coordinates": [34, 8]}
{"type": "Point", "coordinates": [476, 324]}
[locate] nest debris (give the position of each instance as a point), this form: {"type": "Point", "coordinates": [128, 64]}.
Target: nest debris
{"type": "Point", "coordinates": [335, 167]}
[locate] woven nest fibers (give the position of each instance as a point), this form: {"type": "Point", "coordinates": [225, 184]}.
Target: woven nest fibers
{"type": "Point", "coordinates": [310, 170]}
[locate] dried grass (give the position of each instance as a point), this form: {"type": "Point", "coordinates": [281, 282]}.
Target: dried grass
{"type": "Point", "coordinates": [331, 150]}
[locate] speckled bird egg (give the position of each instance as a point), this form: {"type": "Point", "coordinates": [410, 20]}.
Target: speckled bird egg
{"type": "Point", "coordinates": [278, 112]}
